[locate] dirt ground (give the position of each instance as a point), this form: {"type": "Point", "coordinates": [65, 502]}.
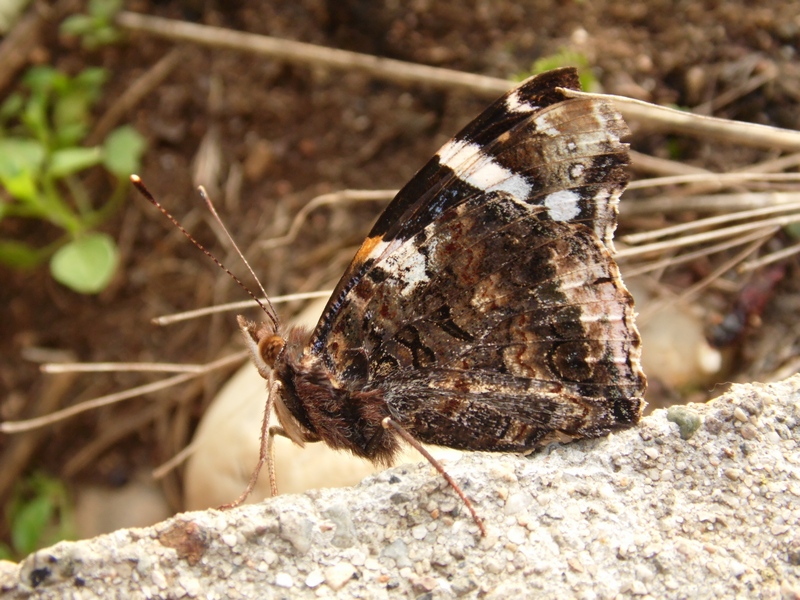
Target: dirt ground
{"type": "Point", "coordinates": [280, 135]}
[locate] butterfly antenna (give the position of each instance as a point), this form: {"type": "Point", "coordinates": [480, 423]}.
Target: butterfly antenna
{"type": "Point", "coordinates": [142, 189]}
{"type": "Point", "coordinates": [210, 205]}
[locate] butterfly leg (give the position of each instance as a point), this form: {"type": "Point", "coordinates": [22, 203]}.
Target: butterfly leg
{"type": "Point", "coordinates": [388, 422]}
{"type": "Point", "coordinates": [264, 451]}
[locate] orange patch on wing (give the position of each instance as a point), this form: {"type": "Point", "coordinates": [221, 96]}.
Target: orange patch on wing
{"type": "Point", "coordinates": [365, 252]}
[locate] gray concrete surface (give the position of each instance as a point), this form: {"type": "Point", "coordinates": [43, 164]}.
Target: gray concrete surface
{"type": "Point", "coordinates": [700, 501]}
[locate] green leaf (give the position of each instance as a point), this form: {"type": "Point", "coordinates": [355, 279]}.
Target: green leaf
{"type": "Point", "coordinates": [122, 151]}
{"type": "Point", "coordinates": [793, 229]}
{"type": "Point", "coordinates": [102, 36]}
{"type": "Point", "coordinates": [20, 164]}
{"type": "Point", "coordinates": [105, 9]}
{"type": "Point", "coordinates": [21, 186]}
{"type": "Point", "coordinates": [18, 255]}
{"type": "Point", "coordinates": [42, 79]}
{"type": "Point", "coordinates": [11, 107]}
{"type": "Point", "coordinates": [86, 264]}
{"type": "Point", "coordinates": [91, 80]}
{"type": "Point", "coordinates": [78, 25]}
{"type": "Point", "coordinates": [34, 116]}
{"type": "Point", "coordinates": [6, 553]}
{"type": "Point", "coordinates": [30, 523]}
{"type": "Point", "coordinates": [72, 160]}
{"type": "Point", "coordinates": [20, 155]}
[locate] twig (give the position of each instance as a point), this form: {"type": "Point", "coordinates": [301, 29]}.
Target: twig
{"type": "Point", "coordinates": [133, 95]}
{"type": "Point", "coordinates": [661, 166]}
{"type": "Point", "coordinates": [707, 203]}
{"type": "Point", "coordinates": [717, 178]}
{"type": "Point", "coordinates": [302, 53]}
{"type": "Point", "coordinates": [770, 258]}
{"type": "Point", "coordinates": [700, 238]}
{"type": "Point", "coordinates": [323, 200]}
{"type": "Point", "coordinates": [164, 468]}
{"type": "Point", "coordinates": [106, 367]}
{"type": "Point", "coordinates": [672, 261]}
{"type": "Point", "coordinates": [695, 289]}
{"type": "Point", "coordinates": [231, 306]}
{"type": "Point", "coordinates": [404, 72]}
{"type": "Point", "coordinates": [724, 130]}
{"type": "Point", "coordinates": [733, 94]}
{"type": "Point", "coordinates": [18, 45]}
{"type": "Point", "coordinates": [116, 430]}
{"type": "Point", "coordinates": [49, 419]}
{"type": "Point", "coordinates": [646, 236]}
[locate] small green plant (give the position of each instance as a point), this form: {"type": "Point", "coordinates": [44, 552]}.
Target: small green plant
{"type": "Point", "coordinates": [564, 58]}
{"type": "Point", "coordinates": [39, 514]}
{"type": "Point", "coordinates": [41, 132]}
{"type": "Point", "coordinates": [97, 27]}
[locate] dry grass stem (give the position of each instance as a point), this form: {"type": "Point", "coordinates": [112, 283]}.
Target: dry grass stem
{"type": "Point", "coordinates": [107, 367]}
{"type": "Point", "coordinates": [232, 306]}
{"type": "Point", "coordinates": [340, 197]}
{"type": "Point", "coordinates": [133, 95]}
{"type": "Point", "coordinates": [732, 95]}
{"type": "Point", "coordinates": [701, 238]}
{"type": "Point", "coordinates": [671, 261]}
{"type": "Point", "coordinates": [661, 166]}
{"type": "Point", "coordinates": [707, 203]}
{"type": "Point", "coordinates": [166, 467]}
{"type": "Point", "coordinates": [768, 259]}
{"type": "Point", "coordinates": [720, 179]}
{"type": "Point", "coordinates": [646, 236]}
{"type": "Point", "coordinates": [310, 54]}
{"type": "Point", "coordinates": [403, 72]}
{"type": "Point", "coordinates": [722, 130]}
{"type": "Point", "coordinates": [61, 415]}
{"type": "Point", "coordinates": [692, 291]}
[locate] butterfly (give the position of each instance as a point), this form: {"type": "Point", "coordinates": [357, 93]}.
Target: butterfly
{"type": "Point", "coordinates": [484, 311]}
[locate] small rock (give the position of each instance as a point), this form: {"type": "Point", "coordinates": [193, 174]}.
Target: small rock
{"type": "Point", "coordinates": [315, 579]}
{"type": "Point", "coordinates": [687, 420]}
{"type": "Point", "coordinates": [739, 415]}
{"type": "Point", "coordinates": [462, 586]}
{"type": "Point", "coordinates": [424, 584]}
{"type": "Point", "coordinates": [733, 474]}
{"type": "Point", "coordinates": [516, 503]}
{"type": "Point", "coordinates": [419, 532]}
{"type": "Point", "coordinates": [517, 535]}
{"type": "Point", "coordinates": [284, 580]}
{"type": "Point", "coordinates": [345, 534]}
{"type": "Point", "coordinates": [338, 575]}
{"type": "Point", "coordinates": [748, 431]}
{"type": "Point", "coordinates": [296, 530]}
{"type": "Point", "coordinates": [398, 551]}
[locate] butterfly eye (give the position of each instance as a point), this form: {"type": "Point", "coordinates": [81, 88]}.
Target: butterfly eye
{"type": "Point", "coordinates": [270, 347]}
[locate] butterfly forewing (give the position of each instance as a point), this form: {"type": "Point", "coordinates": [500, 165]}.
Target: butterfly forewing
{"type": "Point", "coordinates": [485, 308]}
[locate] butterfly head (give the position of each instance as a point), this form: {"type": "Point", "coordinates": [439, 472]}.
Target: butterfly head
{"type": "Point", "coordinates": [264, 342]}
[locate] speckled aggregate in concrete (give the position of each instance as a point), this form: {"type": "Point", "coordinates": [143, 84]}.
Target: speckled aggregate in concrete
{"type": "Point", "coordinates": [645, 513]}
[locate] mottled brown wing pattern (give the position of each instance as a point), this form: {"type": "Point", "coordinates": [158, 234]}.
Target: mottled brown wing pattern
{"type": "Point", "coordinates": [498, 320]}
{"type": "Point", "coordinates": [516, 145]}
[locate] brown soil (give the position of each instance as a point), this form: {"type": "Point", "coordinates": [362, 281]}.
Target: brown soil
{"type": "Point", "coordinates": [295, 132]}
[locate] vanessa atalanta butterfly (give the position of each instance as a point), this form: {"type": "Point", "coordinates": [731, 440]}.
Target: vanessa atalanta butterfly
{"type": "Point", "coordinates": [484, 311]}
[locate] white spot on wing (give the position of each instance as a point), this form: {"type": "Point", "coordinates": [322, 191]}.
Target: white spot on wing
{"type": "Point", "coordinates": [408, 267]}
{"type": "Point", "coordinates": [480, 170]}
{"type": "Point", "coordinates": [563, 205]}
{"type": "Point", "coordinates": [515, 105]}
